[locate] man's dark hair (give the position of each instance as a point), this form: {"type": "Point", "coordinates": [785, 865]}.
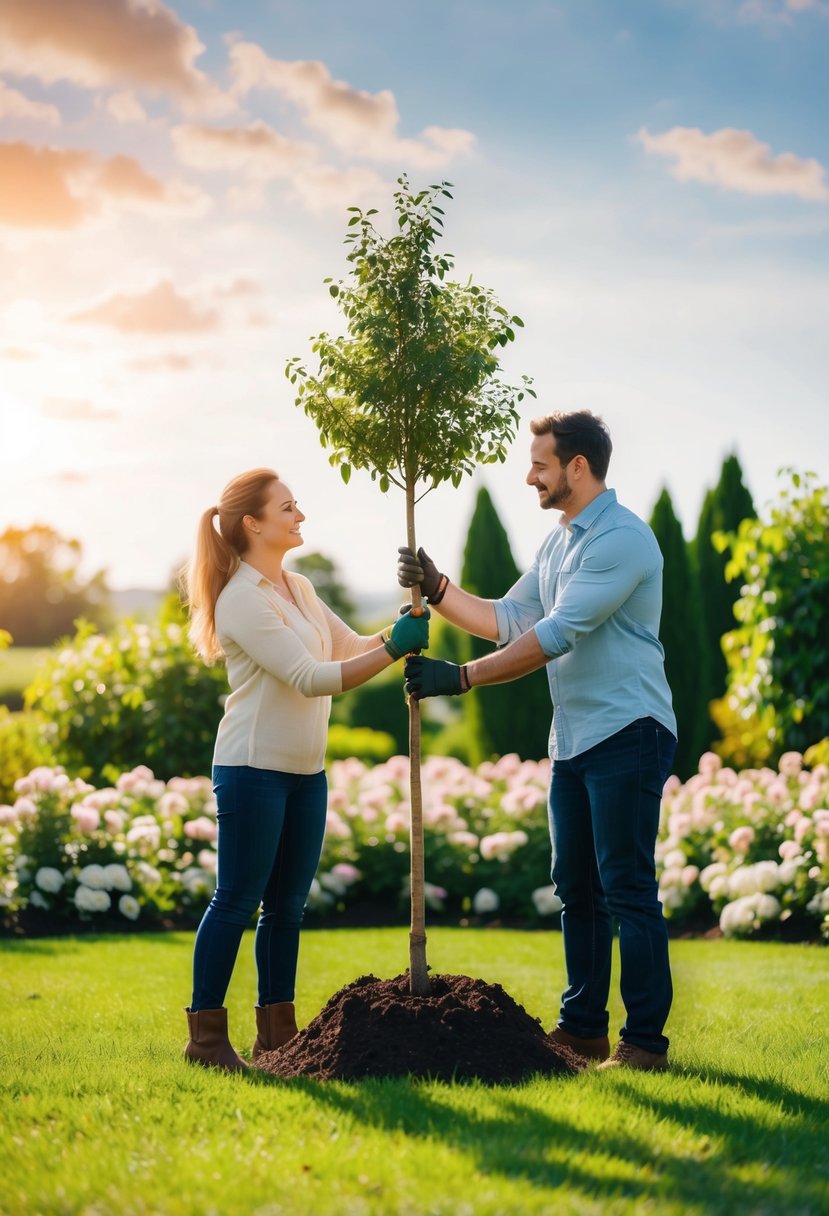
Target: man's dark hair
{"type": "Point", "coordinates": [579, 433]}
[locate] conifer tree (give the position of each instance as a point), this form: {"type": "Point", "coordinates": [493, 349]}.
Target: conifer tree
{"type": "Point", "coordinates": [681, 635]}
{"type": "Point", "coordinates": [502, 718]}
{"type": "Point", "coordinates": [724, 509]}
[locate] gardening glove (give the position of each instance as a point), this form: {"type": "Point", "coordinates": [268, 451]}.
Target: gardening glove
{"type": "Point", "coordinates": [408, 633]}
{"type": "Point", "coordinates": [421, 569]}
{"type": "Point", "coordinates": [434, 678]}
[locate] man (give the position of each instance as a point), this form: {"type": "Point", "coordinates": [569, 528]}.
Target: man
{"type": "Point", "coordinates": [589, 610]}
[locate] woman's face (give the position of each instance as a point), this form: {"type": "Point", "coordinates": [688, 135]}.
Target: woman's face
{"type": "Point", "coordinates": [279, 523]}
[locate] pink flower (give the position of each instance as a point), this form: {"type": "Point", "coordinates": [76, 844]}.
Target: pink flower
{"type": "Point", "coordinates": [346, 872]}
{"type": "Point", "coordinates": [790, 764]}
{"type": "Point", "coordinates": [789, 848]}
{"type": "Point", "coordinates": [709, 763]}
{"type": "Point", "coordinates": [201, 828]}
{"type": "Point", "coordinates": [741, 838]}
{"type": "Point", "coordinates": [689, 875]}
{"type": "Point", "coordinates": [86, 817]}
{"type": "Point", "coordinates": [335, 826]}
{"type": "Point", "coordinates": [25, 809]}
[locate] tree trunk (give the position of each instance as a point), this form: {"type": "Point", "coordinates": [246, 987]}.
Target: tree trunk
{"type": "Point", "coordinates": [418, 971]}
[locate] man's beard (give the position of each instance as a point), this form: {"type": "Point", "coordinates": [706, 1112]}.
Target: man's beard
{"type": "Point", "coordinates": [559, 496]}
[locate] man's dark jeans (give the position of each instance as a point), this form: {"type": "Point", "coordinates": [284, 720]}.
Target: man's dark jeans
{"type": "Point", "coordinates": [271, 828]}
{"type": "Point", "coordinates": [604, 810]}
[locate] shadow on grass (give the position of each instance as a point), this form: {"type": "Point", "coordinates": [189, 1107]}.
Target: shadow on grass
{"type": "Point", "coordinates": [754, 1161]}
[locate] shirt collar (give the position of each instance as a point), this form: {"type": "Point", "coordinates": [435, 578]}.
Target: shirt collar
{"type": "Point", "coordinates": [593, 510]}
{"type": "Point", "coordinates": [251, 574]}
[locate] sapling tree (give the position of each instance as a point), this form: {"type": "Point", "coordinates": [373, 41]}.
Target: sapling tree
{"type": "Point", "coordinates": [412, 394]}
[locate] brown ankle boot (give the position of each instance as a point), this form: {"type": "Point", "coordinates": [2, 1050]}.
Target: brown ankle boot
{"type": "Point", "coordinates": [209, 1044]}
{"type": "Point", "coordinates": [275, 1026]}
{"type": "Point", "coordinates": [591, 1049]}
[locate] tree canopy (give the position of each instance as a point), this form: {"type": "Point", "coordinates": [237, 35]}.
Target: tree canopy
{"type": "Point", "coordinates": [42, 589]}
{"type": "Point", "coordinates": [412, 392]}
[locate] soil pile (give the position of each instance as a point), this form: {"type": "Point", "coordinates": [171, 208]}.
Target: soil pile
{"type": "Point", "coordinates": [465, 1029]}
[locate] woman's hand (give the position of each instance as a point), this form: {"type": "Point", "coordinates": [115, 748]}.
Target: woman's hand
{"type": "Point", "coordinates": [408, 633]}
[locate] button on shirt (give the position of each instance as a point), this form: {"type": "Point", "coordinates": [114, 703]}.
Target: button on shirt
{"type": "Point", "coordinates": [594, 597]}
{"type": "Point", "coordinates": [283, 664]}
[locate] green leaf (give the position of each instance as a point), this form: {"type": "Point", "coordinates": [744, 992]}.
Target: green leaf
{"type": "Point", "coordinates": [345, 473]}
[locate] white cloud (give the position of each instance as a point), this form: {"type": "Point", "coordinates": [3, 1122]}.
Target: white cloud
{"type": "Point", "coordinates": [125, 107]}
{"type": "Point", "coordinates": [159, 309]}
{"type": "Point", "coordinates": [737, 160]}
{"type": "Point", "coordinates": [262, 154]}
{"type": "Point", "coordinates": [355, 121]}
{"type": "Point", "coordinates": [14, 104]}
{"type": "Point", "coordinates": [62, 188]}
{"type": "Point", "coordinates": [100, 43]}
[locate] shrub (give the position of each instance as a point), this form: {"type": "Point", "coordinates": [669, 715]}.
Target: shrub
{"type": "Point", "coordinates": [23, 746]}
{"type": "Point", "coordinates": [370, 746]}
{"type": "Point", "coordinates": [140, 849]}
{"type": "Point", "coordinates": [138, 695]}
{"type": "Point", "coordinates": [750, 848]}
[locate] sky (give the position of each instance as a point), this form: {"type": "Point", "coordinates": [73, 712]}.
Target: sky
{"type": "Point", "coordinates": [645, 184]}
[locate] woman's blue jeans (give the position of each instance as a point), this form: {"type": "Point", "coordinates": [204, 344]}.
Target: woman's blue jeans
{"type": "Point", "coordinates": [604, 811]}
{"type": "Point", "coordinates": [271, 828]}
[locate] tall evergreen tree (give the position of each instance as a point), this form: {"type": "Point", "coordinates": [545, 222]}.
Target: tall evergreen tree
{"type": "Point", "coordinates": [724, 509]}
{"type": "Point", "coordinates": [681, 636]}
{"type": "Point", "coordinates": [502, 717]}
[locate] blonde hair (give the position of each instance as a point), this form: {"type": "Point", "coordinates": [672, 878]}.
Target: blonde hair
{"type": "Point", "coordinates": [217, 553]}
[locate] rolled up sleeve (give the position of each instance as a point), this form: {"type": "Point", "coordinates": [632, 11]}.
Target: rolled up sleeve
{"type": "Point", "coordinates": [520, 608]}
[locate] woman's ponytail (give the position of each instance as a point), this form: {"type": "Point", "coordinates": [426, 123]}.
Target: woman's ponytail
{"type": "Point", "coordinates": [217, 553]}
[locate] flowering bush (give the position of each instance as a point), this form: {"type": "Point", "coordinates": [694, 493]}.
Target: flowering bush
{"type": "Point", "coordinates": [138, 695]}
{"type": "Point", "coordinates": [486, 837]}
{"type": "Point", "coordinates": [141, 849]}
{"type": "Point", "coordinates": [750, 849]}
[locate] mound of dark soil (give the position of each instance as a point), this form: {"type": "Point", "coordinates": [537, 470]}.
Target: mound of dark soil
{"type": "Point", "coordinates": [465, 1029]}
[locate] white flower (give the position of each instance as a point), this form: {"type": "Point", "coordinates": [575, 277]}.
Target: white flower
{"type": "Point", "coordinates": [676, 859]}
{"type": "Point", "coordinates": [546, 901]}
{"type": "Point", "coordinates": [117, 878]}
{"type": "Point", "coordinates": [485, 900]}
{"type": "Point", "coordinates": [146, 874]}
{"type": "Point", "coordinates": [95, 877]}
{"type": "Point", "coordinates": [91, 899]}
{"type": "Point", "coordinates": [129, 906]}
{"type": "Point", "coordinates": [197, 881]}
{"type": "Point", "coordinates": [748, 913]}
{"type": "Point", "coordinates": [36, 900]}
{"type": "Point", "coordinates": [49, 879]}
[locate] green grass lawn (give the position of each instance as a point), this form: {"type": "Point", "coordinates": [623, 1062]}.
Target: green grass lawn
{"type": "Point", "coordinates": [18, 667]}
{"type": "Point", "coordinates": [101, 1115]}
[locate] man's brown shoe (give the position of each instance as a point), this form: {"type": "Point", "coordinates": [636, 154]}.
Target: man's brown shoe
{"type": "Point", "coordinates": [590, 1049]}
{"type": "Point", "coordinates": [628, 1055]}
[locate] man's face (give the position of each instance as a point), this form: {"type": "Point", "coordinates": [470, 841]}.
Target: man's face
{"type": "Point", "coordinates": [547, 474]}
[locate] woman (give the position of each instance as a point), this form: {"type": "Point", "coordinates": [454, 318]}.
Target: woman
{"type": "Point", "coordinates": [286, 653]}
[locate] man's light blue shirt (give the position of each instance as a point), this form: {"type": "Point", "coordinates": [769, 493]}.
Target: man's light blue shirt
{"type": "Point", "coordinates": [594, 597]}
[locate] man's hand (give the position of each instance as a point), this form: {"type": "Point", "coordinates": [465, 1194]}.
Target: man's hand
{"type": "Point", "coordinates": [421, 569]}
{"type": "Point", "coordinates": [433, 678]}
